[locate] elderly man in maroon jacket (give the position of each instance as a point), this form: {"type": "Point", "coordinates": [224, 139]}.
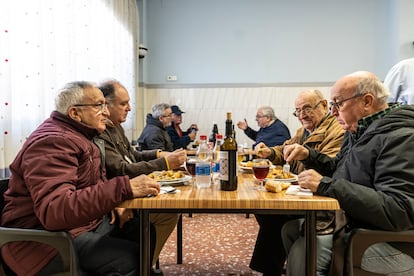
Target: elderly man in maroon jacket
{"type": "Point", "coordinates": [58, 182]}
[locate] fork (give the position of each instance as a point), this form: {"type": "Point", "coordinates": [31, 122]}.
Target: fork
{"type": "Point", "coordinates": [286, 169]}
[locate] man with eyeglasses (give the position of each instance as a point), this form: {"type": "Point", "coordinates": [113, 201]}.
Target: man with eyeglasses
{"type": "Point", "coordinates": [272, 131]}
{"type": "Point", "coordinates": [319, 130]}
{"type": "Point", "coordinates": [58, 183]}
{"type": "Point", "coordinates": [155, 135]}
{"type": "Point", "coordinates": [122, 159]}
{"type": "Point", "coordinates": [372, 178]}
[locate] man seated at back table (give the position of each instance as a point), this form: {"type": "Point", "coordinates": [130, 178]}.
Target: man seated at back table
{"type": "Point", "coordinates": [272, 132]}
{"type": "Point", "coordinates": [180, 138]}
{"type": "Point", "coordinates": [320, 130]}
{"type": "Point", "coordinates": [372, 177]}
{"type": "Point", "coordinates": [155, 135]}
{"type": "Point", "coordinates": [122, 159]}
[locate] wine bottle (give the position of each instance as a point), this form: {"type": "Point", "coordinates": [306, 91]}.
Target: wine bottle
{"type": "Point", "coordinates": [212, 137]}
{"type": "Point", "coordinates": [228, 159]}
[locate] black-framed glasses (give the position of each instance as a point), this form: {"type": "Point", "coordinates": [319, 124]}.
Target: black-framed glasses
{"type": "Point", "coordinates": [305, 110]}
{"type": "Point", "coordinates": [100, 106]}
{"type": "Point", "coordinates": [339, 104]}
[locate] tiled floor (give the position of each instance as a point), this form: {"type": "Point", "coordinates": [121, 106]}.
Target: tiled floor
{"type": "Point", "coordinates": [213, 244]}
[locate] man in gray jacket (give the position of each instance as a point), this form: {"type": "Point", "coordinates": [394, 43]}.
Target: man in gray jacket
{"type": "Point", "coordinates": [373, 172]}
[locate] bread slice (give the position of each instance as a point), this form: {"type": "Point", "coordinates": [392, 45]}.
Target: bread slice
{"type": "Point", "coordinates": [275, 186]}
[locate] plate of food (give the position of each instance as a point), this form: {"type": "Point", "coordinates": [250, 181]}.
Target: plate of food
{"type": "Point", "coordinates": [170, 177]}
{"type": "Point", "coordinates": [278, 174]}
{"type": "Point", "coordinates": [245, 165]}
{"type": "Point", "coordinates": [248, 166]}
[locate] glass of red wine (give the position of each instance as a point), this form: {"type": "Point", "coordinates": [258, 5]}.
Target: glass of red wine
{"type": "Point", "coordinates": [190, 166]}
{"type": "Point", "coordinates": [260, 170]}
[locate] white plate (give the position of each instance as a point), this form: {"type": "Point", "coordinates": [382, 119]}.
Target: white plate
{"type": "Point", "coordinates": [293, 179]}
{"type": "Point", "coordinates": [175, 182]}
{"type": "Point", "coordinates": [245, 168]}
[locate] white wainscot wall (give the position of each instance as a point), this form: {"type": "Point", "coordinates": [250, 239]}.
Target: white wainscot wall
{"type": "Point", "coordinates": [206, 106]}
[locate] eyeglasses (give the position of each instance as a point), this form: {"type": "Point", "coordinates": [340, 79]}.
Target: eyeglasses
{"type": "Point", "coordinates": [260, 116]}
{"type": "Point", "coordinates": [100, 106]}
{"type": "Point", "coordinates": [339, 104]}
{"type": "Point", "coordinates": [305, 110]}
{"type": "Point", "coordinates": [169, 115]}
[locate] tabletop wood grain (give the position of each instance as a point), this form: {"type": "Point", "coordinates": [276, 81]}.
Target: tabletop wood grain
{"type": "Point", "coordinates": [244, 198]}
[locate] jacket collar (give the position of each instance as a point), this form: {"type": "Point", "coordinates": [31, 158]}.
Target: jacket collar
{"type": "Point", "coordinates": [84, 129]}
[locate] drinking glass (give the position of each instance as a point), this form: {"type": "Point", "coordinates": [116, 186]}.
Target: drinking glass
{"type": "Point", "coordinates": [240, 154]}
{"type": "Point", "coordinates": [260, 170]}
{"type": "Point", "coordinates": [190, 166]}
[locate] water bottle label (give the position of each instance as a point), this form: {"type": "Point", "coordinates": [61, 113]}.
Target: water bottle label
{"type": "Point", "coordinates": [203, 169]}
{"type": "Point", "coordinates": [215, 166]}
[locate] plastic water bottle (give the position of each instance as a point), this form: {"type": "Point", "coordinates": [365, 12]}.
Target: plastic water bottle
{"type": "Point", "coordinates": [215, 164]}
{"type": "Point", "coordinates": [203, 164]}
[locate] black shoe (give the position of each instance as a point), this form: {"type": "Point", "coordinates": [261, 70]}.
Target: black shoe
{"type": "Point", "coordinates": [156, 272]}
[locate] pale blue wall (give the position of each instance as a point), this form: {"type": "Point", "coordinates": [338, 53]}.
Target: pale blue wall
{"type": "Point", "coordinates": [266, 41]}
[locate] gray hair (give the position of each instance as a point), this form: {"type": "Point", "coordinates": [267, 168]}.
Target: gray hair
{"type": "Point", "coordinates": [108, 89]}
{"type": "Point", "coordinates": [72, 93]}
{"type": "Point", "coordinates": [268, 112]}
{"type": "Point", "coordinates": [159, 110]}
{"type": "Point", "coordinates": [375, 87]}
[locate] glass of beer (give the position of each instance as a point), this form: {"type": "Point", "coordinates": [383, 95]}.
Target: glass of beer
{"type": "Point", "coordinates": [240, 154]}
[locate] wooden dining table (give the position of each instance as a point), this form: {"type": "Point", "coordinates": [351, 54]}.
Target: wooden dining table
{"type": "Point", "coordinates": [246, 199]}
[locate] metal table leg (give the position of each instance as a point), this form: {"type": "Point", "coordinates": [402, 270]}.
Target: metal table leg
{"type": "Point", "coordinates": [145, 260]}
{"type": "Point", "coordinates": [310, 240]}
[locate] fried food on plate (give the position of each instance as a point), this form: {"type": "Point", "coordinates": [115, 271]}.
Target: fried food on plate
{"type": "Point", "coordinates": [166, 175]}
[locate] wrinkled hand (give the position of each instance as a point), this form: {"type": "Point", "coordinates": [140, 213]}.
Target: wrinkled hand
{"type": "Point", "coordinates": [242, 124]}
{"type": "Point", "coordinates": [143, 186]}
{"type": "Point", "coordinates": [295, 152]}
{"type": "Point", "coordinates": [176, 158]}
{"type": "Point", "coordinates": [261, 150]}
{"type": "Point", "coordinates": [123, 214]}
{"type": "Point", "coordinates": [309, 179]}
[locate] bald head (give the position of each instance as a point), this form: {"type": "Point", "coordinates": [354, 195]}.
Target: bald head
{"type": "Point", "coordinates": [349, 82]}
{"type": "Point", "coordinates": [364, 75]}
{"type": "Point", "coordinates": [357, 95]}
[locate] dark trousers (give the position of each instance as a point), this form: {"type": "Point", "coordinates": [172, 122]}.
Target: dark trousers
{"type": "Point", "coordinates": [108, 250]}
{"type": "Point", "coordinates": [269, 254]}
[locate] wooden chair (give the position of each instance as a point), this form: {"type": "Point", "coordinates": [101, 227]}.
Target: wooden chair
{"type": "Point", "coordinates": [62, 241]}
{"type": "Point", "coordinates": [360, 239]}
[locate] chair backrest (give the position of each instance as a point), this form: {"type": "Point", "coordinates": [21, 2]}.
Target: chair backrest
{"type": "Point", "coordinates": [62, 241]}
{"type": "Point", "coordinates": [4, 184]}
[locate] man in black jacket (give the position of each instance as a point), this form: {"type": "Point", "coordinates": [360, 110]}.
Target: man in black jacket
{"type": "Point", "coordinates": [372, 176]}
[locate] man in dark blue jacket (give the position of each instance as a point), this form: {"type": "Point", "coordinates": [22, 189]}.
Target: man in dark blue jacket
{"type": "Point", "coordinates": [272, 132]}
{"type": "Point", "coordinates": [155, 135]}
